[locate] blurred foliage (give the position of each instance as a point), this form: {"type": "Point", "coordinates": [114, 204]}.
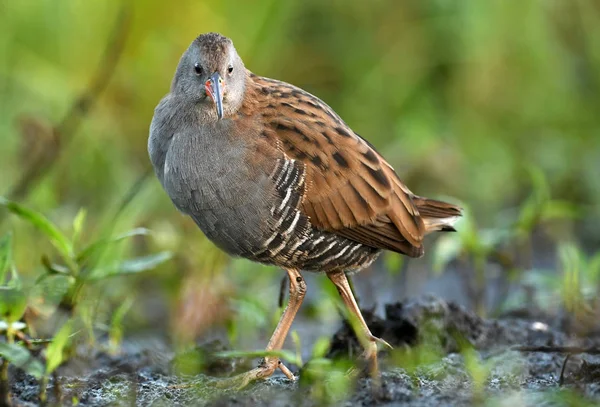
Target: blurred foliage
{"type": "Point", "coordinates": [77, 271]}
{"type": "Point", "coordinates": [461, 97]}
{"type": "Point", "coordinates": [509, 243]}
{"type": "Point", "coordinates": [495, 103]}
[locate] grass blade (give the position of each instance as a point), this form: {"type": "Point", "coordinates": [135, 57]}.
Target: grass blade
{"type": "Point", "coordinates": [54, 353]}
{"type": "Point", "coordinates": [56, 237]}
{"type": "Point", "coordinates": [132, 266]}
{"type": "Point", "coordinates": [5, 255]}
{"type": "Point", "coordinates": [103, 244]}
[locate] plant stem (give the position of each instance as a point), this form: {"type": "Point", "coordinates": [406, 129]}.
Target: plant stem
{"type": "Point", "coordinates": [42, 394]}
{"type": "Point", "coordinates": [57, 388]}
{"type": "Point", "coordinates": [4, 387]}
{"type": "Point", "coordinates": [479, 266]}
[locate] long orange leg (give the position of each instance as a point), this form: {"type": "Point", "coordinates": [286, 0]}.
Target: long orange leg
{"type": "Point", "coordinates": [366, 338]}
{"type": "Point", "coordinates": [270, 363]}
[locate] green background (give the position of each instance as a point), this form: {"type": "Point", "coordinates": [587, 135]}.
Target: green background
{"type": "Point", "coordinates": [465, 99]}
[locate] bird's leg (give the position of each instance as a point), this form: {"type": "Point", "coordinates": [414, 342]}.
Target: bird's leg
{"type": "Point", "coordinates": [366, 338]}
{"type": "Point", "coordinates": [270, 363]}
{"type": "Point", "coordinates": [297, 293]}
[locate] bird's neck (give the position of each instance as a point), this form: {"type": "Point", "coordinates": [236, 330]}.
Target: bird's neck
{"type": "Point", "coordinates": [234, 99]}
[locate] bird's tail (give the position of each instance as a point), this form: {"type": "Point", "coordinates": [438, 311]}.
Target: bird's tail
{"type": "Point", "coordinates": [437, 215]}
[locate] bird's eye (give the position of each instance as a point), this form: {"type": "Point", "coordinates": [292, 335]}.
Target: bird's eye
{"type": "Point", "coordinates": [230, 69]}
{"type": "Point", "coordinates": [198, 69]}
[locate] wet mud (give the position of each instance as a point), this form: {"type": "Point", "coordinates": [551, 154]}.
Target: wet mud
{"type": "Point", "coordinates": [478, 364]}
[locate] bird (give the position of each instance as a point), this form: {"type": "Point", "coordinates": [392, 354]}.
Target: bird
{"type": "Point", "coordinates": [271, 173]}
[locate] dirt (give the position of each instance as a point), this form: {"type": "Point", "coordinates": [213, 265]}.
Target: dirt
{"type": "Point", "coordinates": [477, 365]}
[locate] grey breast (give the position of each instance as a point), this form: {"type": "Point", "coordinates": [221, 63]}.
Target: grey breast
{"type": "Point", "coordinates": [206, 173]}
{"type": "Point", "coordinates": [246, 208]}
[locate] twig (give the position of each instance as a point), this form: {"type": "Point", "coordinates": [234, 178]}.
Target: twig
{"type": "Point", "coordinates": [561, 380]}
{"type": "Point", "coordinates": [63, 132]}
{"type": "Point", "coordinates": [24, 340]}
{"type": "Point", "coordinates": [30, 342]}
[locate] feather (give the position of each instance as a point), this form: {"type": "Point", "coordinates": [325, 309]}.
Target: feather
{"type": "Point", "coordinates": [350, 189]}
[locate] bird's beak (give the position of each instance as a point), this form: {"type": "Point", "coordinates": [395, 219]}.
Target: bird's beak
{"type": "Point", "coordinates": [214, 88]}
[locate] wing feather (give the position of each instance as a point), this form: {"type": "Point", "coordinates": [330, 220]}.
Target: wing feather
{"type": "Point", "coordinates": [350, 189]}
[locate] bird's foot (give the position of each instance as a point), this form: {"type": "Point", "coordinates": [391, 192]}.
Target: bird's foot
{"type": "Point", "coordinates": [265, 369]}
{"type": "Point", "coordinates": [370, 352]}
{"type": "Point", "coordinates": [381, 341]}
{"type": "Point", "coordinates": [369, 360]}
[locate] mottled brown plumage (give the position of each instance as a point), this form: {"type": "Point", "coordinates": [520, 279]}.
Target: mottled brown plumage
{"type": "Point", "coordinates": [350, 189]}
{"type": "Point", "coordinates": [271, 173]}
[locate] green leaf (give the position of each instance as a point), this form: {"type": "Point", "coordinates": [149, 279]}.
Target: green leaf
{"type": "Point", "coordinates": [570, 258]}
{"type": "Point", "coordinates": [13, 303]}
{"type": "Point", "coordinates": [78, 224]}
{"type": "Point", "coordinates": [116, 325]}
{"type": "Point", "coordinates": [21, 358]}
{"type": "Point", "coordinates": [52, 288]}
{"type": "Point", "coordinates": [528, 215]}
{"type": "Point", "coordinates": [539, 184]}
{"type": "Point", "coordinates": [132, 266]}
{"type": "Point", "coordinates": [539, 207]}
{"type": "Point", "coordinates": [319, 363]}
{"type": "Point", "coordinates": [59, 240]}
{"type": "Point", "coordinates": [560, 210]}
{"type": "Point", "coordinates": [54, 268]}
{"type": "Point", "coordinates": [321, 347]}
{"type": "Point", "coordinates": [477, 369]}
{"type": "Point", "coordinates": [594, 268]}
{"type": "Point", "coordinates": [103, 244]}
{"type": "Point", "coordinates": [14, 281]}
{"type": "Point", "coordinates": [5, 255]}
{"type": "Point", "coordinates": [54, 352]}
{"type": "Point", "coordinates": [143, 263]}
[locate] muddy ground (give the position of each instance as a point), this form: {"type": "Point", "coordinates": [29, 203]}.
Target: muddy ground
{"type": "Point", "coordinates": [144, 375]}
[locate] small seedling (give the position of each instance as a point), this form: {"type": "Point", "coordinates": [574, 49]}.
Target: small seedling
{"type": "Point", "coordinates": [328, 380]}
{"type": "Point", "coordinates": [508, 244]}
{"type": "Point", "coordinates": [55, 357]}
{"type": "Point", "coordinates": [88, 265]}
{"type": "Point", "coordinates": [75, 269]}
{"type": "Point", "coordinates": [115, 333]}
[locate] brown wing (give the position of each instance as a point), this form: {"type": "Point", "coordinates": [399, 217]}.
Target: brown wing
{"type": "Point", "coordinates": [351, 190]}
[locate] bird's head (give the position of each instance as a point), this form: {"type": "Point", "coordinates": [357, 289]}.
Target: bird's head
{"type": "Point", "coordinates": [211, 73]}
